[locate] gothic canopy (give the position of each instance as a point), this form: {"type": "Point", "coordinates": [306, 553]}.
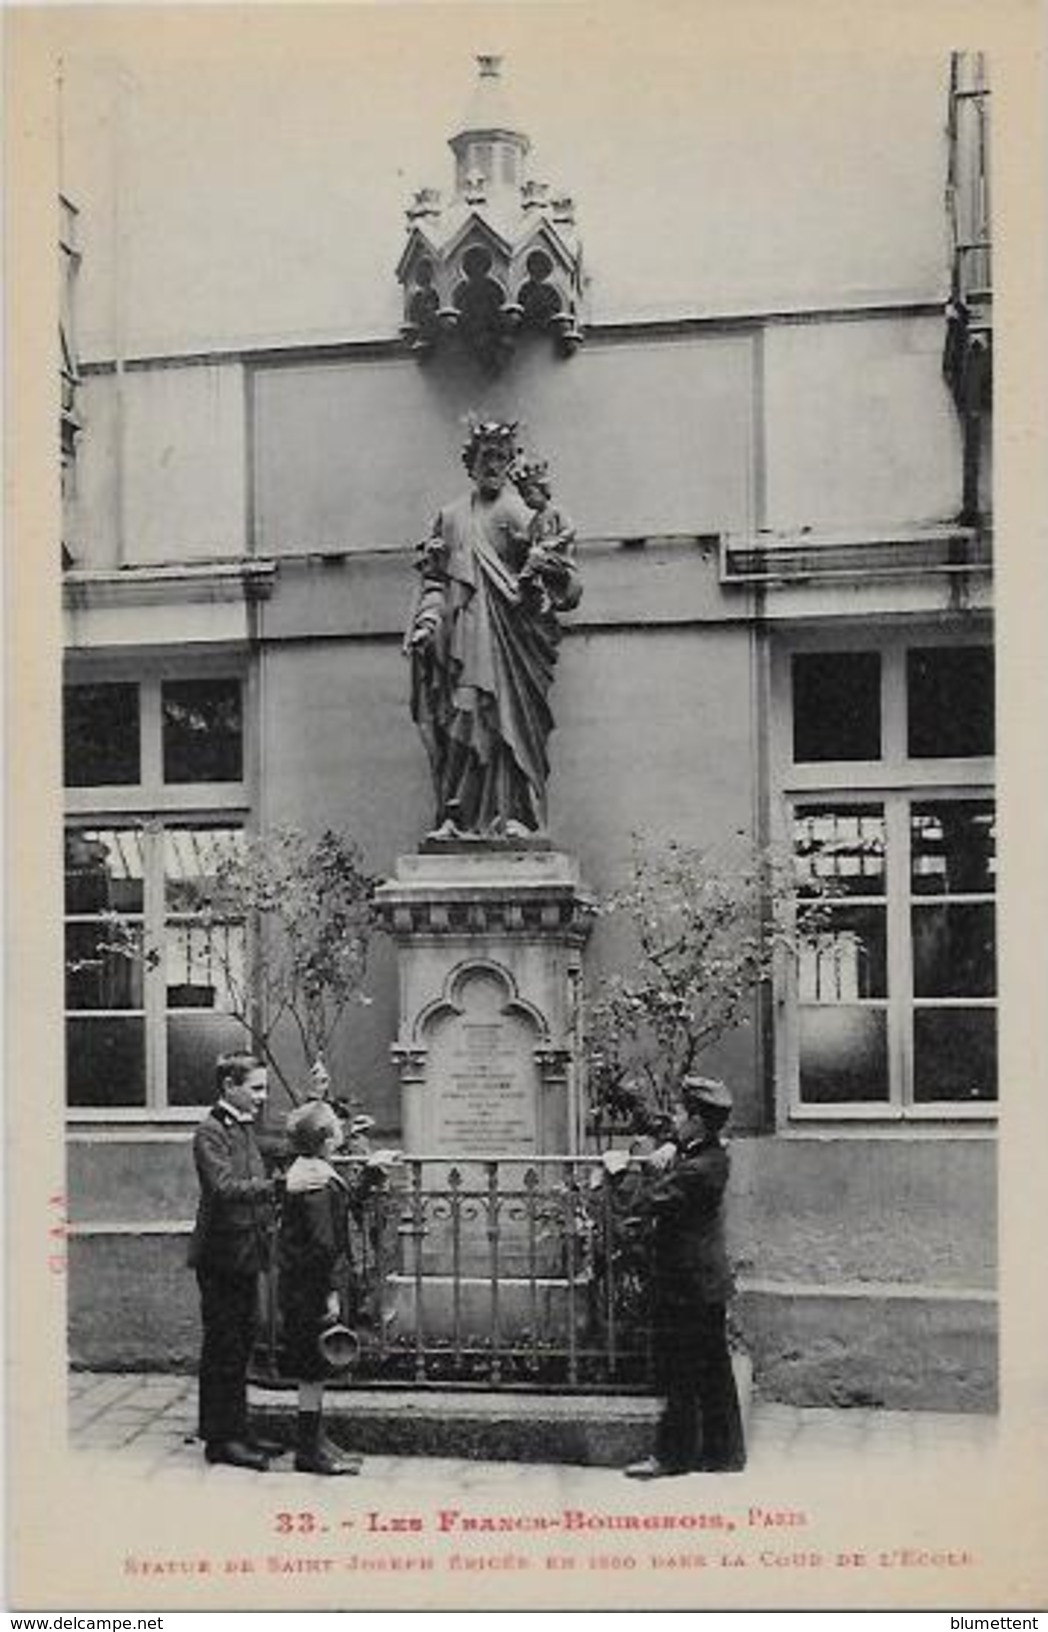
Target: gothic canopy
{"type": "Point", "coordinates": [502, 254]}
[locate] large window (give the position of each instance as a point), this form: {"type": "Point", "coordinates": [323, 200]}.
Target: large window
{"type": "Point", "coordinates": [887, 801]}
{"type": "Point", "coordinates": [154, 770]}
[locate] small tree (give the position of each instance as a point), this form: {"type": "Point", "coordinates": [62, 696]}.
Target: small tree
{"type": "Point", "coordinates": [308, 904]}
{"type": "Point", "coordinates": [703, 930]}
{"type": "Point", "coordinates": [305, 906]}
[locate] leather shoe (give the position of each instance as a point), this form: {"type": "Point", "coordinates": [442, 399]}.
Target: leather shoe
{"type": "Point", "coordinates": [651, 1468]}
{"type": "Point", "coordinates": [264, 1446]}
{"type": "Point", "coordinates": [349, 1459]}
{"type": "Point", "coordinates": [321, 1460]}
{"type": "Point", "coordinates": [234, 1454]}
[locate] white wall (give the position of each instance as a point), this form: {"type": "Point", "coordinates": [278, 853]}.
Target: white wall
{"type": "Point", "coordinates": [842, 425]}
{"type": "Point", "coordinates": [162, 466]}
{"type": "Point", "coordinates": [650, 436]}
{"type": "Point", "coordinates": [242, 178]}
{"type": "Point", "coordinates": [860, 426]}
{"type": "Point", "coordinates": [92, 525]}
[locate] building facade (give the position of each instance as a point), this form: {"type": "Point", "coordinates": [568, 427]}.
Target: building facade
{"type": "Point", "coordinates": [763, 386]}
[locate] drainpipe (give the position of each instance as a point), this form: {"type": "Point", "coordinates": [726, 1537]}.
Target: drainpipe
{"type": "Point", "coordinates": [118, 136]}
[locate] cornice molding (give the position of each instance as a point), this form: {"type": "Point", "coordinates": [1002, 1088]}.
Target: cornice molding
{"type": "Point", "coordinates": [392, 349]}
{"type": "Point", "coordinates": [189, 583]}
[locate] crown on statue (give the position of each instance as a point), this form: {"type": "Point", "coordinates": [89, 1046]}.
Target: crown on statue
{"type": "Point", "coordinates": [526, 471]}
{"type": "Point", "coordinates": [487, 433]}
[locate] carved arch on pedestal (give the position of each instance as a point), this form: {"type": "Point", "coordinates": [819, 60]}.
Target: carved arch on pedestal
{"type": "Point", "coordinates": [480, 1056]}
{"type": "Point", "coordinates": [450, 1001]}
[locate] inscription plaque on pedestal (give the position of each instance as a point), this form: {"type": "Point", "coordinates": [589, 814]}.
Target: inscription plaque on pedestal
{"type": "Point", "coordinates": [481, 1077]}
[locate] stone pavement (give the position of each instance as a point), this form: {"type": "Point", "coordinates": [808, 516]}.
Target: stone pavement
{"type": "Point", "coordinates": [148, 1422]}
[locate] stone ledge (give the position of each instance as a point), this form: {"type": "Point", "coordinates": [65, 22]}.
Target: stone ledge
{"type": "Point", "coordinates": [133, 1307]}
{"type": "Point", "coordinates": [470, 844]}
{"type": "Point", "coordinates": [461, 914]}
{"type": "Point", "coordinates": [914, 1352]}
{"type": "Point", "coordinates": [470, 888]}
{"type": "Point", "coordinates": [593, 1430]}
{"type": "Point", "coordinates": [471, 864]}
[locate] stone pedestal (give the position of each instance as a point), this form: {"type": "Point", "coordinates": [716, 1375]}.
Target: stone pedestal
{"type": "Point", "coordinates": [489, 939]}
{"type": "Point", "coordinates": [489, 942]}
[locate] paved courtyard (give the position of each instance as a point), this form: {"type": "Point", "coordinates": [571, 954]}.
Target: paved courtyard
{"type": "Point", "coordinates": [149, 1420]}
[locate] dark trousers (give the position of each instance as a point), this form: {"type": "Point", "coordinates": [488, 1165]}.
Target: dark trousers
{"type": "Point", "coordinates": [229, 1314]}
{"type": "Point", "coordinates": [701, 1423]}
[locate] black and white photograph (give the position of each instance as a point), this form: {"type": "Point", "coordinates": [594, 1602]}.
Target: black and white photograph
{"type": "Point", "coordinates": [516, 1108]}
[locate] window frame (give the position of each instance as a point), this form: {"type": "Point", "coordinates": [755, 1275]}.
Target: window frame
{"type": "Point", "coordinates": [152, 800]}
{"type": "Point", "coordinates": [899, 783]}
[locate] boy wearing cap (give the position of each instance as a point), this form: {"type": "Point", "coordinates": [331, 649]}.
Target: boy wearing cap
{"type": "Point", "coordinates": [700, 1428]}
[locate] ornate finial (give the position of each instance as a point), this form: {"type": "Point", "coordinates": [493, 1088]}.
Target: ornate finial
{"type": "Point", "coordinates": [535, 195]}
{"type": "Point", "coordinates": [476, 187]}
{"type": "Point", "coordinates": [424, 203]}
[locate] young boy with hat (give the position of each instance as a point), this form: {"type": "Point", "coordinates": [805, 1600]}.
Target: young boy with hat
{"type": "Point", "coordinates": [700, 1428]}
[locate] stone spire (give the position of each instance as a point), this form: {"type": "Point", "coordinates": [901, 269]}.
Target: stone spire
{"type": "Point", "coordinates": [490, 147]}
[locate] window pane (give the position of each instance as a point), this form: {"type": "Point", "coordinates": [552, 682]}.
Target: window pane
{"type": "Point", "coordinates": [953, 950]}
{"type": "Point", "coordinates": [846, 959]}
{"type": "Point", "coordinates": [203, 961]}
{"type": "Point", "coordinates": [841, 846]}
{"type": "Point", "coordinates": [100, 735]}
{"type": "Point", "coordinates": [950, 695]}
{"type": "Point", "coordinates": [194, 1042]}
{"type": "Point", "coordinates": [843, 1055]}
{"type": "Point", "coordinates": [106, 1061]}
{"type": "Point", "coordinates": [953, 849]}
{"type": "Point", "coordinates": [836, 706]}
{"type": "Point", "coordinates": [103, 870]}
{"type": "Point", "coordinates": [955, 1054]}
{"type": "Point", "coordinates": [192, 856]}
{"type": "Point", "coordinates": [203, 731]}
{"type": "Point", "coordinates": [103, 966]}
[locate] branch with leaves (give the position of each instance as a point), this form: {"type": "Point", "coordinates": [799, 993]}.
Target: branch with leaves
{"type": "Point", "coordinates": [703, 930]}
{"type": "Point", "coordinates": [308, 904]}
{"type": "Point", "coordinates": [304, 905]}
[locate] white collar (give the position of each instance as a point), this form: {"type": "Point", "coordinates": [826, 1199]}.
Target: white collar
{"type": "Point", "coordinates": [310, 1173]}
{"type": "Point", "coordinates": [244, 1117]}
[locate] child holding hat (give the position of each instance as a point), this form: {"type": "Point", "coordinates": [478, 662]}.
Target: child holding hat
{"type": "Point", "coordinates": [314, 1259]}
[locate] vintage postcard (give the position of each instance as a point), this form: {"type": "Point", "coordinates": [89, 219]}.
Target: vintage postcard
{"type": "Point", "coordinates": [526, 783]}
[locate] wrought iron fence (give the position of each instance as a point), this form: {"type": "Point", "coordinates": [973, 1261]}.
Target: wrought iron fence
{"type": "Point", "coordinates": [504, 1272]}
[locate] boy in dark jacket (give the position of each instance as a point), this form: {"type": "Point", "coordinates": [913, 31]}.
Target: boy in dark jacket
{"type": "Point", "coordinates": [315, 1262]}
{"type": "Point", "coordinates": [700, 1429]}
{"type": "Point", "coordinates": [228, 1249]}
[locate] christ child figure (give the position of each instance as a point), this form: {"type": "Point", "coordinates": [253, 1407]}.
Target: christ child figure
{"type": "Point", "coordinates": [547, 580]}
